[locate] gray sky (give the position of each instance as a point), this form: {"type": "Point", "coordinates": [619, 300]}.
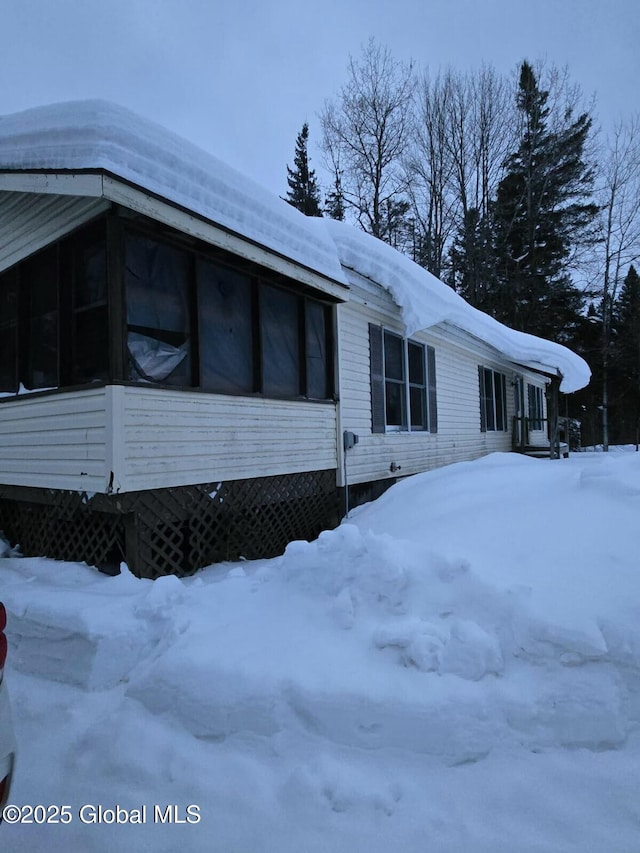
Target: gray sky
{"type": "Point", "coordinates": [239, 78]}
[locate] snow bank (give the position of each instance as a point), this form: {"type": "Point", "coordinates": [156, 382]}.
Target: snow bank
{"type": "Point", "coordinates": [426, 301]}
{"type": "Point", "coordinates": [101, 135]}
{"type": "Point", "coordinates": [460, 661]}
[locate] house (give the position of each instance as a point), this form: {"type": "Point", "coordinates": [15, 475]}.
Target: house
{"type": "Point", "coordinates": [191, 370]}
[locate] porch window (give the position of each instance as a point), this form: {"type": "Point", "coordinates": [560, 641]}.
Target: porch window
{"type": "Point", "coordinates": [90, 338]}
{"type": "Point", "coordinates": [225, 319]}
{"type": "Point", "coordinates": [39, 280]}
{"type": "Point", "coordinates": [158, 311]}
{"type": "Point", "coordinates": [403, 383]}
{"type": "Point", "coordinates": [536, 407]}
{"type": "Point", "coordinates": [318, 349]}
{"type": "Point", "coordinates": [280, 338]}
{"type": "Point", "coordinates": [8, 332]}
{"type": "Point", "coordinates": [493, 400]}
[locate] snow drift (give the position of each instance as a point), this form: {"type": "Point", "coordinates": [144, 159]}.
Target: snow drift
{"type": "Point", "coordinates": [460, 660]}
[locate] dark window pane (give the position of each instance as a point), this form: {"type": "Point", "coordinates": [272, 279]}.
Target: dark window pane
{"type": "Point", "coordinates": [280, 342]}
{"type": "Point", "coordinates": [91, 280]}
{"type": "Point", "coordinates": [417, 398]}
{"type": "Point", "coordinates": [91, 359]}
{"type": "Point", "coordinates": [489, 397]}
{"type": "Point", "coordinates": [395, 404]}
{"type": "Point", "coordinates": [499, 387]}
{"type": "Point", "coordinates": [536, 410]}
{"type": "Point", "coordinates": [416, 363]}
{"type": "Point", "coordinates": [393, 357]}
{"type": "Point", "coordinates": [158, 317]}
{"type": "Point", "coordinates": [91, 319]}
{"type": "Point", "coordinates": [316, 349]}
{"type": "Point", "coordinates": [226, 339]}
{"type": "Point", "coordinates": [8, 332]}
{"type": "Point", "coordinates": [40, 278]}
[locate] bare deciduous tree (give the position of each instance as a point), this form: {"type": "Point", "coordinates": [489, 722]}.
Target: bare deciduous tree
{"type": "Point", "coordinates": [365, 134]}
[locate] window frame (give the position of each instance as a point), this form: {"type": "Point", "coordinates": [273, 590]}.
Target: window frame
{"type": "Point", "coordinates": [535, 407]}
{"type": "Point", "coordinates": [382, 382]}
{"type": "Point", "coordinates": [492, 385]}
{"type": "Point", "coordinates": [315, 316]}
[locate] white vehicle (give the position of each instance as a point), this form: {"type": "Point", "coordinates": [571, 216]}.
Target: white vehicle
{"type": "Point", "coordinates": [7, 741]}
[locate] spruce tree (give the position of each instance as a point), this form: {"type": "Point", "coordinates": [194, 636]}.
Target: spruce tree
{"type": "Point", "coordinates": [541, 213]}
{"type": "Point", "coordinates": [472, 261]}
{"type": "Point", "coordinates": [625, 358]}
{"type": "Point", "coordinates": [334, 201]}
{"type": "Point", "coordinates": [303, 192]}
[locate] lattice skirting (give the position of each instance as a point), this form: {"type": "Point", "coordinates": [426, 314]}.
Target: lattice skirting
{"type": "Point", "coordinates": [171, 531]}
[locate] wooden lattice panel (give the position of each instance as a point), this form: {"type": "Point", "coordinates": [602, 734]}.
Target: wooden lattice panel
{"type": "Point", "coordinates": [174, 531]}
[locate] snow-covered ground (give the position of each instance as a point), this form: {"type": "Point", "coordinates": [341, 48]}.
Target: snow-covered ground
{"type": "Point", "coordinates": [455, 668]}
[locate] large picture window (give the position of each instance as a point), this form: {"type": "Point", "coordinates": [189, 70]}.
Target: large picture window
{"type": "Point", "coordinates": [403, 383]}
{"type": "Point", "coordinates": [493, 400]}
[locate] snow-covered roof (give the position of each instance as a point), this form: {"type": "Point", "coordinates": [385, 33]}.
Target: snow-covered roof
{"type": "Point", "coordinates": [100, 135]}
{"type": "Point", "coordinates": [425, 301]}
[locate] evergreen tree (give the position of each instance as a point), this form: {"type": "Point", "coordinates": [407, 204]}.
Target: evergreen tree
{"type": "Point", "coordinates": [625, 358]}
{"type": "Point", "coordinates": [334, 202]}
{"type": "Point", "coordinates": [472, 261]}
{"type": "Point", "coordinates": [303, 192]}
{"type": "Point", "coordinates": [541, 213]}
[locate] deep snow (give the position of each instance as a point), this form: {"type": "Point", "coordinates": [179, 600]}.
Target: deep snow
{"type": "Point", "coordinates": [455, 668]}
{"type": "Point", "coordinates": [101, 135]}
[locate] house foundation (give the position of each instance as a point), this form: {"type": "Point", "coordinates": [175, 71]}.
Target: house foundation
{"type": "Point", "coordinates": [174, 530]}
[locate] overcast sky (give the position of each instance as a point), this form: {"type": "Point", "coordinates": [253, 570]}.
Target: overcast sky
{"type": "Point", "coordinates": [240, 77]}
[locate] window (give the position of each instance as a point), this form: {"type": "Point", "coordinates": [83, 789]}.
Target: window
{"type": "Point", "coordinates": [90, 337]}
{"type": "Point", "coordinates": [280, 337]}
{"type": "Point", "coordinates": [536, 407]}
{"type": "Point", "coordinates": [8, 332]}
{"type": "Point", "coordinates": [493, 400]}
{"type": "Point", "coordinates": [225, 316]}
{"type": "Point", "coordinates": [39, 281]}
{"type": "Point", "coordinates": [318, 348]}
{"type": "Point", "coordinates": [54, 315]}
{"type": "Point", "coordinates": [158, 311]}
{"type": "Point", "coordinates": [121, 302]}
{"type": "Point", "coordinates": [403, 383]}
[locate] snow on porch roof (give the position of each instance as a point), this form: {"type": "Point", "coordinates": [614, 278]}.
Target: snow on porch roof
{"type": "Point", "coordinates": [425, 301]}
{"type": "Point", "coordinates": [100, 135]}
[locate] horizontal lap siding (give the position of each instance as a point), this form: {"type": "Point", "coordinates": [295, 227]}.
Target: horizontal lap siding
{"type": "Point", "coordinates": [180, 438]}
{"type": "Point", "coordinates": [458, 355]}
{"type": "Point", "coordinates": [56, 441]}
{"type": "Point", "coordinates": [29, 221]}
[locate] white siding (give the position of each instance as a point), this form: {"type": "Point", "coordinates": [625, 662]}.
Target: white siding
{"type": "Point", "coordinates": [55, 441]}
{"type": "Point", "coordinates": [29, 221]}
{"type": "Point", "coordinates": [458, 356]}
{"type": "Point", "coordinates": [172, 438]}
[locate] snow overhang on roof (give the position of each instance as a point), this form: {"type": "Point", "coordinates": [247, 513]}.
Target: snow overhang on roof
{"type": "Point", "coordinates": [98, 135]}
{"type": "Point", "coordinates": [425, 301]}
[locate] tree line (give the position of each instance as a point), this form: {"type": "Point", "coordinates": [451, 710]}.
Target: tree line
{"type": "Point", "coordinates": [505, 190]}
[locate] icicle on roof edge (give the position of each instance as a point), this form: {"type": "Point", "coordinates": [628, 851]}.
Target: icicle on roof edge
{"type": "Point", "coordinates": [97, 134]}
{"type": "Point", "coordinates": [425, 301]}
